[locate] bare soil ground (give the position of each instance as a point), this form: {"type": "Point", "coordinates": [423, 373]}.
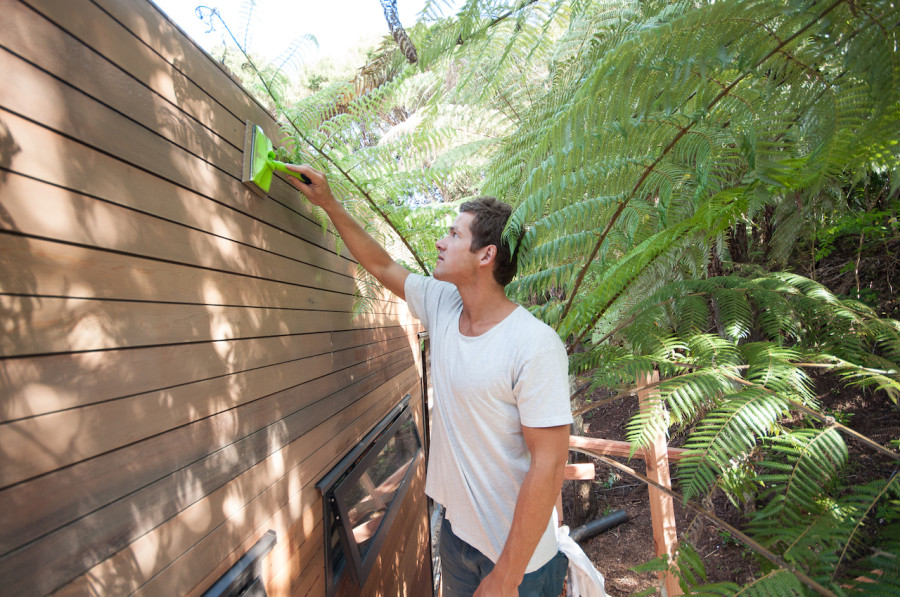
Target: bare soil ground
{"type": "Point", "coordinates": [616, 551]}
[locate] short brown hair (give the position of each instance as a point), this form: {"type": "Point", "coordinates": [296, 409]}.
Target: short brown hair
{"type": "Point", "coordinates": [490, 219]}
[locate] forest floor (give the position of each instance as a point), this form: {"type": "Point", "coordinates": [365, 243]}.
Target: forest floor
{"type": "Point", "coordinates": [616, 551]}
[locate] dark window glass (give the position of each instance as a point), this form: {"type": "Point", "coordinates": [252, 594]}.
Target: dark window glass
{"type": "Point", "coordinates": [362, 493]}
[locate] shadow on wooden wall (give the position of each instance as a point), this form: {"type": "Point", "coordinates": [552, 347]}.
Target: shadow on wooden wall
{"type": "Point", "coordinates": [178, 362]}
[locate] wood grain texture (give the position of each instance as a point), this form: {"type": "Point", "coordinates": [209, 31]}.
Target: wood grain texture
{"type": "Point", "coordinates": [134, 468]}
{"type": "Point", "coordinates": [237, 214]}
{"type": "Point", "coordinates": [179, 361]}
{"type": "Point", "coordinates": [39, 385]}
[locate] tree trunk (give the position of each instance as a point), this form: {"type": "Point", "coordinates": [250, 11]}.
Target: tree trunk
{"type": "Point", "coordinates": [398, 32]}
{"type": "Point", "coordinates": [737, 243]}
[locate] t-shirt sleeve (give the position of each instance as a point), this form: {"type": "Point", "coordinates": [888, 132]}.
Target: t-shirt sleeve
{"type": "Point", "coordinates": [542, 385]}
{"type": "Point", "coordinates": [424, 295]}
{"type": "Point", "coordinates": [414, 289]}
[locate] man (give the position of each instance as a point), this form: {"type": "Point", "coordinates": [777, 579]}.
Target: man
{"type": "Point", "coordinates": [500, 431]}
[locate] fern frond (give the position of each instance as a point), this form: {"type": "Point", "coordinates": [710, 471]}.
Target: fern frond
{"type": "Point", "coordinates": [725, 434]}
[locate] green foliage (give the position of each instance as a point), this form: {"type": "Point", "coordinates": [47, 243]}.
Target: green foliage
{"type": "Point", "coordinates": [658, 129]}
{"type": "Point", "coordinates": [636, 141]}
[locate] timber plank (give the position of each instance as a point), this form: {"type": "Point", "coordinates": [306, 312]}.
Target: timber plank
{"type": "Point", "coordinates": [40, 385]}
{"type": "Point", "coordinates": [38, 209]}
{"type": "Point", "coordinates": [38, 40]}
{"type": "Point", "coordinates": [108, 425]}
{"type": "Point", "coordinates": [311, 581]}
{"type": "Point", "coordinates": [359, 337]}
{"type": "Point", "coordinates": [40, 97]}
{"type": "Point", "coordinates": [180, 534]}
{"type": "Point", "coordinates": [662, 506]}
{"type": "Point", "coordinates": [613, 447]}
{"type": "Point", "coordinates": [41, 325]}
{"type": "Point", "coordinates": [238, 215]}
{"type": "Point", "coordinates": [37, 267]}
{"type": "Point", "coordinates": [61, 497]}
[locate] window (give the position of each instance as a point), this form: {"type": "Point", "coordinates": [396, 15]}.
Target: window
{"type": "Point", "coordinates": [244, 578]}
{"type": "Point", "coordinates": [362, 494]}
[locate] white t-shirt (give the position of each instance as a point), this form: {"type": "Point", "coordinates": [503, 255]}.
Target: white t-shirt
{"type": "Point", "coordinates": [485, 389]}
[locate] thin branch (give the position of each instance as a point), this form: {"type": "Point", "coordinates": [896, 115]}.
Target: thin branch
{"type": "Point", "coordinates": [362, 191]}
{"type": "Point", "coordinates": [821, 418]}
{"type": "Point", "coordinates": [326, 156]}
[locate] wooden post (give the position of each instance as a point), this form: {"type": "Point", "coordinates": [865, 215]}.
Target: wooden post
{"type": "Point", "coordinates": [662, 506]}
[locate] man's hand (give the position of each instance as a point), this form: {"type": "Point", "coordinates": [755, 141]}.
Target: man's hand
{"type": "Point", "coordinates": [493, 586]}
{"type": "Point", "coordinates": [363, 247]}
{"type": "Point", "coordinates": [317, 191]}
{"type": "Point", "coordinates": [549, 448]}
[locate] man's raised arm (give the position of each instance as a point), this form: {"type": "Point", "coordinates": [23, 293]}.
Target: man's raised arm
{"type": "Point", "coordinates": [362, 246]}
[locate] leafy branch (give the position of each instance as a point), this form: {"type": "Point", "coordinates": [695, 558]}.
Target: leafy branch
{"type": "Point", "coordinates": [668, 148]}
{"type": "Point", "coordinates": [325, 155]}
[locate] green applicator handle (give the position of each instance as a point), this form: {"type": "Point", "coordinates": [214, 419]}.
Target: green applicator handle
{"type": "Point", "coordinates": [282, 167]}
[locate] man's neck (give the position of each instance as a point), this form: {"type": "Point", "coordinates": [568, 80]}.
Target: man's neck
{"type": "Point", "coordinates": [483, 307]}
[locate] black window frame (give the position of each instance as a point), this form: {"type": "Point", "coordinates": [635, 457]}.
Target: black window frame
{"type": "Point", "coordinates": [345, 474]}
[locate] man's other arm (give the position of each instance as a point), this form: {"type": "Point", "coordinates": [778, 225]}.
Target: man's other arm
{"type": "Point", "coordinates": [363, 247]}
{"type": "Point", "coordinates": [549, 447]}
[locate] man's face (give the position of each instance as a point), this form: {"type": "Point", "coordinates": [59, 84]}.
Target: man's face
{"type": "Point", "coordinates": [455, 262]}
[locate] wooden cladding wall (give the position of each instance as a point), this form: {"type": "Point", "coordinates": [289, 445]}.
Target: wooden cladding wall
{"type": "Point", "coordinates": [178, 360]}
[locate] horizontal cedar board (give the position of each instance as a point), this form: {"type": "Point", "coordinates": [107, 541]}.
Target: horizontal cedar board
{"type": "Point", "coordinates": [37, 267]}
{"type": "Point", "coordinates": [138, 523]}
{"type": "Point", "coordinates": [285, 562]}
{"type": "Point", "coordinates": [311, 580]}
{"type": "Point", "coordinates": [49, 325]}
{"type": "Point", "coordinates": [30, 35]}
{"type": "Point", "coordinates": [41, 325]}
{"type": "Point", "coordinates": [60, 497]}
{"type": "Point", "coordinates": [240, 216]}
{"type": "Point", "coordinates": [282, 473]}
{"type": "Point", "coordinates": [39, 385]}
{"type": "Point", "coordinates": [41, 98]}
{"type": "Point", "coordinates": [38, 445]}
{"type": "Point", "coordinates": [138, 39]}
{"type": "Point", "coordinates": [39, 209]}
{"type": "Point", "coordinates": [358, 337]}
{"type": "Point", "coordinates": [213, 548]}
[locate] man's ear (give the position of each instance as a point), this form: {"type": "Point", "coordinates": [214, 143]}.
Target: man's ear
{"type": "Point", "coordinates": [489, 253]}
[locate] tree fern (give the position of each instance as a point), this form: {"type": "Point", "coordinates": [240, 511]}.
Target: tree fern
{"type": "Point", "coordinates": [632, 138]}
